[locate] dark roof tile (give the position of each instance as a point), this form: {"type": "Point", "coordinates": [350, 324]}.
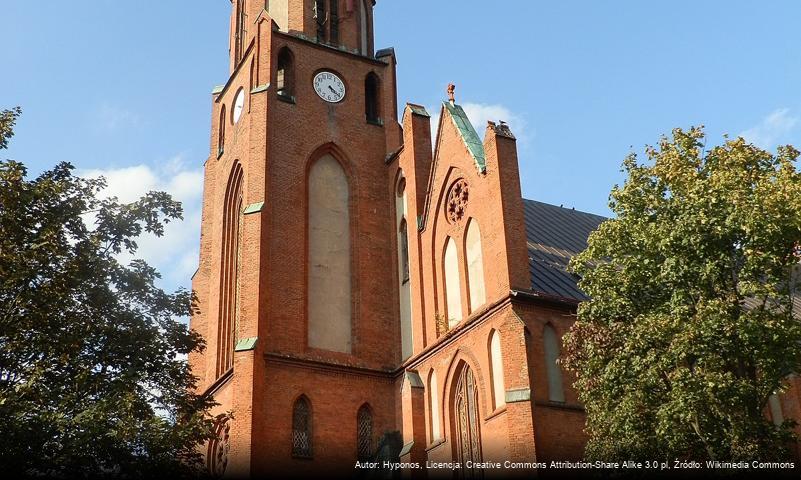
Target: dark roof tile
{"type": "Point", "coordinates": [555, 235]}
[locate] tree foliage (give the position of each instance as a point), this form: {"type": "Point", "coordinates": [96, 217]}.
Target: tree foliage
{"type": "Point", "coordinates": [7, 120]}
{"type": "Point", "coordinates": [690, 328]}
{"type": "Point", "coordinates": [93, 376]}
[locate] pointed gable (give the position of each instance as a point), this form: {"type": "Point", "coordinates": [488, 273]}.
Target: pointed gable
{"type": "Point", "coordinates": [465, 130]}
{"type": "Point", "coordinates": [454, 120]}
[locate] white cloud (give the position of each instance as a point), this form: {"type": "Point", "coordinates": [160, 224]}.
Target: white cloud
{"type": "Point", "coordinates": [772, 129]}
{"type": "Point", "coordinates": [175, 254]}
{"type": "Point", "coordinates": [109, 118]}
{"type": "Point", "coordinates": [479, 114]}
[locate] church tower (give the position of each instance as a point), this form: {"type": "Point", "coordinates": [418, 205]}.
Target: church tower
{"type": "Point", "coordinates": [291, 286]}
{"type": "Point", "coordinates": [366, 293]}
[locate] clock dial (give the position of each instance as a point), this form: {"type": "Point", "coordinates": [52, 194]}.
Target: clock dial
{"type": "Point", "coordinates": [329, 87]}
{"type": "Point", "coordinates": [239, 105]}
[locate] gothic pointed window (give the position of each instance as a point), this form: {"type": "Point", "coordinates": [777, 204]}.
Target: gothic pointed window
{"type": "Point", "coordinates": [334, 20]}
{"type": "Point", "coordinates": [320, 17]}
{"type": "Point", "coordinates": [239, 36]}
{"type": "Point", "coordinates": [433, 407]}
{"type": "Point", "coordinates": [221, 133]}
{"type": "Point", "coordinates": [404, 251]}
{"type": "Point", "coordinates": [229, 272]}
{"type": "Point", "coordinates": [776, 414]}
{"type": "Point", "coordinates": [365, 28]}
{"type": "Point", "coordinates": [285, 75]}
{"type": "Point", "coordinates": [551, 346]}
{"type": "Point", "coordinates": [496, 364]}
{"type": "Point", "coordinates": [329, 302]}
{"type": "Point", "coordinates": [371, 98]}
{"type": "Point", "coordinates": [302, 429]}
{"type": "Point", "coordinates": [404, 283]}
{"type": "Point", "coordinates": [364, 433]}
{"type": "Point", "coordinates": [279, 12]}
{"type": "Point", "coordinates": [453, 287]}
{"type": "Point", "coordinates": [475, 266]}
{"type": "Point", "coordinates": [253, 79]}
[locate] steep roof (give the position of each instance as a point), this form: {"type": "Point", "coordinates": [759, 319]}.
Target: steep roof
{"type": "Point", "coordinates": [468, 134]}
{"type": "Point", "coordinates": [555, 235]}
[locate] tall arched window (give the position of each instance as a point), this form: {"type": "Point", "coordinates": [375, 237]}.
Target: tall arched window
{"type": "Point", "coordinates": [238, 106]}
{"type": "Point", "coordinates": [372, 94]}
{"type": "Point", "coordinates": [365, 28]}
{"type": "Point", "coordinates": [221, 133]}
{"type": "Point", "coordinates": [433, 407]}
{"type": "Point", "coordinates": [279, 11]}
{"type": "Point", "coordinates": [320, 17]}
{"type": "Point", "coordinates": [253, 79]}
{"type": "Point", "coordinates": [329, 257]}
{"type": "Point", "coordinates": [239, 36]}
{"type": "Point", "coordinates": [302, 428]}
{"type": "Point", "coordinates": [404, 251]}
{"type": "Point", "coordinates": [775, 405]}
{"type": "Point", "coordinates": [334, 20]}
{"type": "Point", "coordinates": [285, 75]}
{"type": "Point", "coordinates": [475, 266]}
{"type": "Point", "coordinates": [229, 274]}
{"type": "Point", "coordinates": [404, 283]}
{"type": "Point", "coordinates": [364, 433]}
{"type": "Point", "coordinates": [496, 362]}
{"type": "Point", "coordinates": [554, 372]}
{"type": "Point", "coordinates": [453, 288]}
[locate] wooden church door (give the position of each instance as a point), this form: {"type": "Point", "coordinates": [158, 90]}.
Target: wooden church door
{"type": "Point", "coordinates": [468, 436]}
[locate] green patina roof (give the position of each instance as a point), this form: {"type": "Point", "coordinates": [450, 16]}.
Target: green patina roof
{"type": "Point", "coordinates": [468, 134]}
{"type": "Point", "coordinates": [406, 449]}
{"type": "Point", "coordinates": [419, 110]}
{"type": "Point", "coordinates": [253, 208]}
{"type": "Point", "coordinates": [246, 344]}
{"type": "Point", "coordinates": [518, 395]}
{"type": "Point", "coordinates": [261, 88]}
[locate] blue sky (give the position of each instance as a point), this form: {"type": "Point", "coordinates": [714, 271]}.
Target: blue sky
{"type": "Point", "coordinates": [123, 89]}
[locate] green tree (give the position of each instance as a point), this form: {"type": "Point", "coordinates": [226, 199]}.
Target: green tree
{"type": "Point", "coordinates": [93, 379]}
{"type": "Point", "coordinates": [690, 328]}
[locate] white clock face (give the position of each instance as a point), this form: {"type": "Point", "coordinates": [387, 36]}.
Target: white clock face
{"type": "Point", "coordinates": [239, 105]}
{"type": "Point", "coordinates": [329, 87]}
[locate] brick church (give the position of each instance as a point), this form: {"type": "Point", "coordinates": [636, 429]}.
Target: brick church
{"type": "Point", "coordinates": [357, 279]}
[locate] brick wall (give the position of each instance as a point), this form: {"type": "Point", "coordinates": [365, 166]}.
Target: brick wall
{"type": "Point", "coordinates": [275, 141]}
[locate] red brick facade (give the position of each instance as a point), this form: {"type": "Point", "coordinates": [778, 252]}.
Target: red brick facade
{"type": "Point", "coordinates": [278, 136]}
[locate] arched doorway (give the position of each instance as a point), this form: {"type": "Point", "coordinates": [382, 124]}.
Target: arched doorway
{"type": "Point", "coordinates": [467, 432]}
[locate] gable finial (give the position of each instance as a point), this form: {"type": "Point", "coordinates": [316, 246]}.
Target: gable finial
{"type": "Point", "coordinates": [451, 95]}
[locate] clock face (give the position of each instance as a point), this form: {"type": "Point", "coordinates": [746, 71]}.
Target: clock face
{"type": "Point", "coordinates": [329, 87]}
{"type": "Point", "coordinates": [239, 105]}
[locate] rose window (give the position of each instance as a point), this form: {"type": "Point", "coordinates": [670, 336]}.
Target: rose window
{"type": "Point", "coordinates": [457, 200]}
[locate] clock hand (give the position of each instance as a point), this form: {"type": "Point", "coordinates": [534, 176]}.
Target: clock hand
{"type": "Point", "coordinates": [332, 89]}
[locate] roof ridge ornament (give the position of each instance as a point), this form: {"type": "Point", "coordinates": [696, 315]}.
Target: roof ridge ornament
{"type": "Point", "coordinates": [451, 95]}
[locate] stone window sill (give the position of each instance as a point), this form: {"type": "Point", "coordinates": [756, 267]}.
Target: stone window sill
{"type": "Point", "coordinates": [435, 444]}
{"type": "Point", "coordinates": [286, 98]}
{"type": "Point", "coordinates": [497, 413]}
